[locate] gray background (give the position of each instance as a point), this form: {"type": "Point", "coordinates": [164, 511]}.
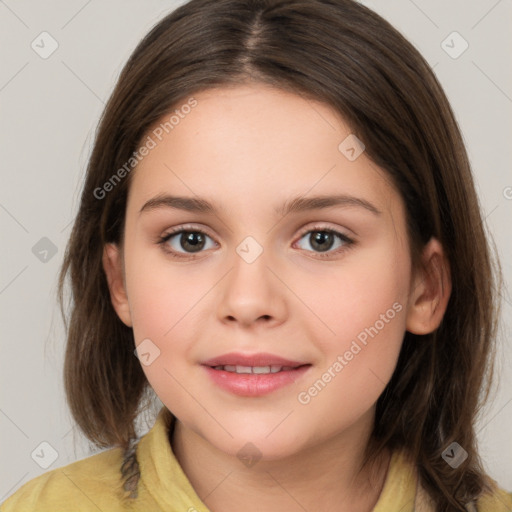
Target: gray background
{"type": "Point", "coordinates": [49, 109]}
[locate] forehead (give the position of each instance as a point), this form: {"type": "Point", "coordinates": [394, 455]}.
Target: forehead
{"type": "Point", "coordinates": [254, 145]}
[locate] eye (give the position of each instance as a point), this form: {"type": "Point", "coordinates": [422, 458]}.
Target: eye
{"type": "Point", "coordinates": [183, 243]}
{"type": "Point", "coordinates": [187, 242]}
{"type": "Point", "coordinates": [323, 239]}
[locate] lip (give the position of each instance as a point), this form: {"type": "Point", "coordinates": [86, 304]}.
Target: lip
{"type": "Point", "coordinates": [250, 384]}
{"type": "Point", "coordinates": [260, 359]}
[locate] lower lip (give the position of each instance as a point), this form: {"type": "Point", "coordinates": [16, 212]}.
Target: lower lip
{"type": "Point", "coordinates": [251, 384]}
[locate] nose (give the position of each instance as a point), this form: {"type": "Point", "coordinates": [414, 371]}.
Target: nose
{"type": "Point", "coordinates": [252, 294]}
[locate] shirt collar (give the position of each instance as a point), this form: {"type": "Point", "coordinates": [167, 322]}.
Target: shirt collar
{"type": "Point", "coordinates": [165, 480]}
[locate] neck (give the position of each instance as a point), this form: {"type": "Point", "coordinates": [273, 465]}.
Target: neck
{"type": "Point", "coordinates": [325, 476]}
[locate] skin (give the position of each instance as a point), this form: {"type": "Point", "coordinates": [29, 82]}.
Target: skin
{"type": "Point", "coordinates": [248, 149]}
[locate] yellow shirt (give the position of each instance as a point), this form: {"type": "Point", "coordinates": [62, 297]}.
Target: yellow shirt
{"type": "Point", "coordinates": [94, 483]}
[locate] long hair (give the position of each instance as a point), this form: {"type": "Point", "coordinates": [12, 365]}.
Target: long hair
{"type": "Point", "coordinates": [341, 53]}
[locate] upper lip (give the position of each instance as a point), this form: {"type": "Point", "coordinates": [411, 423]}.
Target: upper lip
{"type": "Point", "coordinates": [260, 359]}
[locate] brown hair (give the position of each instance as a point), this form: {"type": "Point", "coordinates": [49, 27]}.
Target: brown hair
{"type": "Point", "coordinates": [343, 54]}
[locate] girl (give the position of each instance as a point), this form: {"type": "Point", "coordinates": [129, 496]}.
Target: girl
{"type": "Point", "coordinates": [279, 236]}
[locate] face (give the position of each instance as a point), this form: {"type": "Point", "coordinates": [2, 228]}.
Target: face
{"type": "Point", "coordinates": [325, 288]}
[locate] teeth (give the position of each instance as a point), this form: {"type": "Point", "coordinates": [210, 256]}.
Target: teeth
{"type": "Point", "coordinates": [261, 369]}
{"type": "Point", "coordinates": [243, 369]}
{"type": "Point", "coordinates": [253, 369]}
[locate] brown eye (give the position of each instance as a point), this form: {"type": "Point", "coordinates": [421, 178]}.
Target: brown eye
{"type": "Point", "coordinates": [323, 240]}
{"type": "Point", "coordinates": [185, 242]}
{"type": "Point", "coordinates": [191, 241]}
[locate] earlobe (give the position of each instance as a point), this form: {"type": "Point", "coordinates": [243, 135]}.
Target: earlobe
{"type": "Point", "coordinates": [430, 291]}
{"type": "Point", "coordinates": [113, 266]}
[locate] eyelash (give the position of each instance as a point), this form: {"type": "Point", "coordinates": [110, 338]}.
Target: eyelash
{"type": "Point", "coordinates": [348, 242]}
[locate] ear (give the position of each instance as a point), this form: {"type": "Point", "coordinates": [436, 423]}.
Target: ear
{"type": "Point", "coordinates": [113, 266]}
{"type": "Point", "coordinates": [430, 291]}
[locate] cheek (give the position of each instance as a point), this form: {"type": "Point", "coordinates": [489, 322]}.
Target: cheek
{"type": "Point", "coordinates": [162, 295]}
{"type": "Point", "coordinates": [160, 305]}
{"type": "Point", "coordinates": [160, 313]}
{"type": "Point", "coordinates": [350, 299]}
{"type": "Point", "coordinates": [356, 368]}
{"type": "Point", "coordinates": [363, 311]}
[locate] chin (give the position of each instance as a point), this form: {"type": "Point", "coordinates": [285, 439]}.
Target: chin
{"type": "Point", "coordinates": [260, 441]}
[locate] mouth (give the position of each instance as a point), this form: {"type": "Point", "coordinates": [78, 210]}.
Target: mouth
{"type": "Point", "coordinates": [261, 360]}
{"type": "Point", "coordinates": [254, 375]}
{"type": "Point", "coordinates": [258, 370]}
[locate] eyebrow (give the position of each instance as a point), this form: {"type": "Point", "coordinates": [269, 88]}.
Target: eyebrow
{"type": "Point", "coordinates": [294, 205]}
